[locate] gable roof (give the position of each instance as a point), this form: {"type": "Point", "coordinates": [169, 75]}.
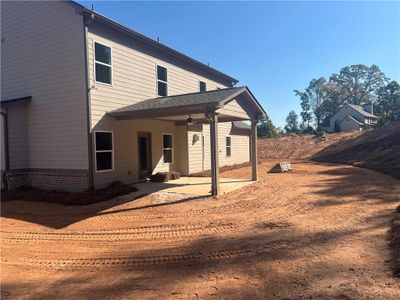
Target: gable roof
{"type": "Point", "coordinates": [186, 103]}
{"type": "Point", "coordinates": [362, 111]}
{"type": "Point", "coordinates": [351, 118]}
{"type": "Point", "coordinates": [128, 31]}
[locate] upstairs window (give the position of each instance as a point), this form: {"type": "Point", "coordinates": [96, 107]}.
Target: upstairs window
{"type": "Point", "coordinates": [228, 146]}
{"type": "Point", "coordinates": [162, 81]}
{"type": "Point", "coordinates": [202, 86]}
{"type": "Point", "coordinates": [168, 149]}
{"type": "Point", "coordinates": [102, 61]}
{"type": "Point", "coordinates": [104, 151]}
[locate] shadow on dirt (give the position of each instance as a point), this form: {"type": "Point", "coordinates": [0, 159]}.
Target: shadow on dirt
{"type": "Point", "coordinates": [237, 260]}
{"type": "Point", "coordinates": [58, 216]}
{"type": "Point", "coordinates": [376, 149]}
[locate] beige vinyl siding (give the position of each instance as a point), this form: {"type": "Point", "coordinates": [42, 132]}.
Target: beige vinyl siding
{"type": "Point", "coordinates": [233, 108]}
{"type": "Point", "coordinates": [126, 149]}
{"type": "Point", "coordinates": [2, 146]}
{"type": "Point", "coordinates": [240, 148]}
{"type": "Point", "coordinates": [195, 148]}
{"type": "Point", "coordinates": [181, 148]}
{"type": "Point", "coordinates": [43, 56]}
{"type": "Point", "coordinates": [18, 136]}
{"type": "Point", "coordinates": [134, 78]}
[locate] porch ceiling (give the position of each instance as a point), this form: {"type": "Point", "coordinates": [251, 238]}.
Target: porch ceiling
{"type": "Point", "coordinates": [178, 107]}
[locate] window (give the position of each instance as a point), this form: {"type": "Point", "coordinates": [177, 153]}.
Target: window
{"type": "Point", "coordinates": [104, 151]}
{"type": "Point", "coordinates": [102, 60]}
{"type": "Point", "coordinates": [168, 149]}
{"type": "Point", "coordinates": [162, 84]}
{"type": "Point", "coordinates": [228, 146]}
{"type": "Point", "coordinates": [202, 86]}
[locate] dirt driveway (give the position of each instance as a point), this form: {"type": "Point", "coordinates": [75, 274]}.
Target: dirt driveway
{"type": "Point", "coordinates": [317, 232]}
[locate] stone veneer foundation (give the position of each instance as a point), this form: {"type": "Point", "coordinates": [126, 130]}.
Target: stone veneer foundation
{"type": "Point", "coordinates": [48, 179]}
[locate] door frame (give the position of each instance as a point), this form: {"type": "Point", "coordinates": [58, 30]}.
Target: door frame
{"type": "Point", "coordinates": [150, 161]}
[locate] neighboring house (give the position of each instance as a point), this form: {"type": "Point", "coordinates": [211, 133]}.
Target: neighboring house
{"type": "Point", "coordinates": [352, 117]}
{"type": "Point", "coordinates": [87, 101]}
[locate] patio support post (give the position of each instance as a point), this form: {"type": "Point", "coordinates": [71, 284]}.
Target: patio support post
{"type": "Point", "coordinates": [253, 147]}
{"type": "Point", "coordinates": [215, 189]}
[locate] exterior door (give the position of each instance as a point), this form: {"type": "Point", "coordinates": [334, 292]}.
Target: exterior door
{"type": "Point", "coordinates": [144, 151]}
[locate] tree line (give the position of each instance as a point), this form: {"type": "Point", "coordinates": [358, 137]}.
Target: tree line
{"type": "Point", "coordinates": [322, 98]}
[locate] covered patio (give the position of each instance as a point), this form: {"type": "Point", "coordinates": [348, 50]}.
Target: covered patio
{"type": "Point", "coordinates": [192, 186]}
{"type": "Point", "coordinates": [210, 107]}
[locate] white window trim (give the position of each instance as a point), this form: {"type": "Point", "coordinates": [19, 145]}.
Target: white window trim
{"type": "Point", "coordinates": [200, 81]}
{"type": "Point", "coordinates": [103, 151]}
{"type": "Point", "coordinates": [157, 80]}
{"type": "Point", "coordinates": [101, 63]}
{"type": "Point", "coordinates": [162, 149]}
{"type": "Point", "coordinates": [226, 146]}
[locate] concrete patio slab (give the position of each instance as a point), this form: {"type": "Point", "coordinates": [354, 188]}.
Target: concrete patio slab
{"type": "Point", "coordinates": [194, 186]}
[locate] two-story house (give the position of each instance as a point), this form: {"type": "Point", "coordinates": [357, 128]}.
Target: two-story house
{"type": "Point", "coordinates": [86, 101]}
{"type": "Point", "coordinates": [352, 118]}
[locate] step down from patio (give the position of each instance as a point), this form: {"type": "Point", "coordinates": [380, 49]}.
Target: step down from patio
{"type": "Point", "coordinates": [165, 176]}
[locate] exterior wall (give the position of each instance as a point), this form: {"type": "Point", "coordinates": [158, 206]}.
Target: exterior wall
{"type": "Point", "coordinates": [199, 156]}
{"type": "Point", "coordinates": [18, 136]}
{"type": "Point", "coordinates": [342, 113]}
{"type": "Point", "coordinates": [42, 55]}
{"type": "Point", "coordinates": [134, 79]}
{"type": "Point", "coordinates": [349, 125]}
{"type": "Point", "coordinates": [134, 75]}
{"type": "Point", "coordinates": [182, 149]}
{"type": "Point", "coordinates": [126, 148]}
{"type": "Point", "coordinates": [233, 108]}
{"type": "Point", "coordinates": [49, 179]}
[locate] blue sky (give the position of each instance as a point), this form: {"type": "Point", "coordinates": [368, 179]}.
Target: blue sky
{"type": "Point", "coordinates": [273, 47]}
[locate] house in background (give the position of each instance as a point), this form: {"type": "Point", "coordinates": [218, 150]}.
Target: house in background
{"type": "Point", "coordinates": [87, 101]}
{"type": "Point", "coordinates": [353, 118]}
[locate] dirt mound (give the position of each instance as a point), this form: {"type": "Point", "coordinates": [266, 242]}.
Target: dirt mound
{"type": "Point", "coordinates": [377, 149]}
{"type": "Point", "coordinates": [298, 147]}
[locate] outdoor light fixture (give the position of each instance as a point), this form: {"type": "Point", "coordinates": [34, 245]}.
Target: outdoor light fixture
{"type": "Point", "coordinates": [189, 120]}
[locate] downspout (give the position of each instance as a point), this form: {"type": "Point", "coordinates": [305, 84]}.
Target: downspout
{"type": "Point", "coordinates": [86, 23]}
{"type": "Point", "coordinates": [6, 147]}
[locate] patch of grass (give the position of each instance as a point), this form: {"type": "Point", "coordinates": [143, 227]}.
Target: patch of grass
{"type": "Point", "coordinates": [82, 198]}
{"type": "Point", "coordinates": [394, 239]}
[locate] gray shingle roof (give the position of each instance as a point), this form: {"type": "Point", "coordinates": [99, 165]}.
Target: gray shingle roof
{"type": "Point", "coordinates": [240, 125]}
{"type": "Point", "coordinates": [362, 111]}
{"type": "Point", "coordinates": [209, 97]}
{"type": "Point", "coordinates": [354, 120]}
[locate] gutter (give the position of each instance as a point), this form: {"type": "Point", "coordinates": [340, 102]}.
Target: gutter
{"type": "Point", "coordinates": [86, 23]}
{"type": "Point", "coordinates": [6, 147]}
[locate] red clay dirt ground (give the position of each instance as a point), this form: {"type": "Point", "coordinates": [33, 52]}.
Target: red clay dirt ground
{"type": "Point", "coordinates": [320, 231]}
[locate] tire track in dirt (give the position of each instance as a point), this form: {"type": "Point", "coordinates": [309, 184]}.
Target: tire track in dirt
{"type": "Point", "coordinates": [113, 263]}
{"type": "Point", "coordinates": [135, 233]}
{"type": "Point", "coordinates": [256, 202]}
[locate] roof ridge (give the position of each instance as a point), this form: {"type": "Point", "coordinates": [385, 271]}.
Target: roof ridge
{"type": "Point", "coordinates": [200, 92]}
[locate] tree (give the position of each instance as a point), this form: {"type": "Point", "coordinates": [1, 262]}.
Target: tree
{"type": "Point", "coordinates": [314, 95]}
{"type": "Point", "coordinates": [388, 103]}
{"type": "Point", "coordinates": [292, 123]}
{"type": "Point", "coordinates": [334, 99]}
{"type": "Point", "coordinates": [359, 83]}
{"type": "Point", "coordinates": [306, 114]}
{"type": "Point", "coordinates": [266, 128]}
